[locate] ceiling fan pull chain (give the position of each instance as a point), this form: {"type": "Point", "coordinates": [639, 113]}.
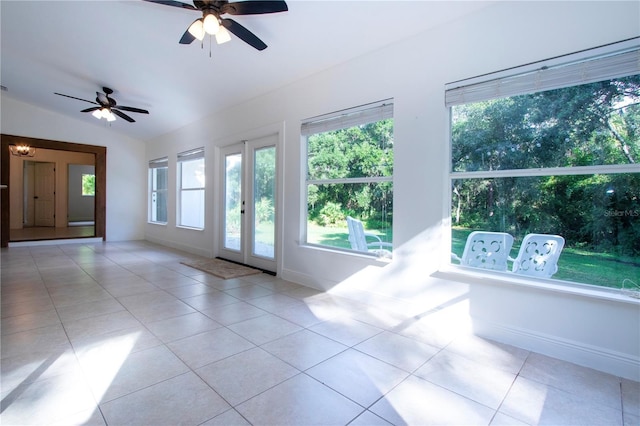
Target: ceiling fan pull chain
{"type": "Point", "coordinates": [209, 45]}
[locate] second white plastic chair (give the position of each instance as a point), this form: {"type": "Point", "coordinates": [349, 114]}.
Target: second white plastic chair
{"type": "Point", "coordinates": [538, 255]}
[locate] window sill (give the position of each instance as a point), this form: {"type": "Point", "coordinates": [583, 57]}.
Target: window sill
{"type": "Point", "coordinates": [376, 259]}
{"type": "Point", "coordinates": [157, 223]}
{"type": "Point", "coordinates": [189, 228]}
{"type": "Point", "coordinates": [473, 276]}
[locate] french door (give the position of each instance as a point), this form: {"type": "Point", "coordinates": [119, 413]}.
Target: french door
{"type": "Point", "coordinates": [248, 205]}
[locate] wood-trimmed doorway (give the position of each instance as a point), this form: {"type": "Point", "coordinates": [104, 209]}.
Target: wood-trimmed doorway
{"type": "Point", "coordinates": [100, 153]}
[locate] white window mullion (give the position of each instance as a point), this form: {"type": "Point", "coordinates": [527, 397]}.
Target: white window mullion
{"type": "Point", "coordinates": [551, 171]}
{"type": "Point", "coordinates": [376, 179]}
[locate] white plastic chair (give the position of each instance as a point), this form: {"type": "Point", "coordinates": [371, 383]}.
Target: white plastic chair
{"type": "Point", "coordinates": [358, 239]}
{"type": "Point", "coordinates": [486, 250]}
{"type": "Point", "coordinates": [538, 255]}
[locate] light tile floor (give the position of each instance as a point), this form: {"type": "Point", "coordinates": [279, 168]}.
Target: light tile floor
{"type": "Point", "coordinates": [122, 333]}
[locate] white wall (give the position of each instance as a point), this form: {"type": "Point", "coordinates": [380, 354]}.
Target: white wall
{"type": "Point", "coordinates": [126, 179]}
{"type": "Point", "coordinates": [414, 73]}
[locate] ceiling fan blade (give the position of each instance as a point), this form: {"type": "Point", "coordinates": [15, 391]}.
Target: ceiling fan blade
{"type": "Point", "coordinates": [91, 109]}
{"type": "Point", "coordinates": [73, 97]}
{"type": "Point", "coordinates": [187, 37]}
{"type": "Point", "coordinates": [254, 7]}
{"type": "Point", "coordinates": [131, 109]}
{"type": "Point", "coordinates": [173, 3]}
{"type": "Point", "coordinates": [123, 116]}
{"type": "Point", "coordinates": [244, 34]}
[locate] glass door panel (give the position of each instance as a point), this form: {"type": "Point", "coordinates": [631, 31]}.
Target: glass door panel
{"type": "Point", "coordinates": [233, 202]}
{"type": "Point", "coordinates": [264, 188]}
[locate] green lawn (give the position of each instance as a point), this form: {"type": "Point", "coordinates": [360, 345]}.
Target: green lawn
{"type": "Point", "coordinates": [338, 236]}
{"type": "Point", "coordinates": [576, 265]}
{"type": "Point", "coordinates": [265, 233]}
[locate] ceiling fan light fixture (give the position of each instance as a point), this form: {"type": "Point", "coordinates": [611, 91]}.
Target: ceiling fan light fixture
{"type": "Point", "coordinates": [222, 36]}
{"type": "Point", "coordinates": [104, 113]}
{"type": "Point", "coordinates": [211, 24]}
{"type": "Point", "coordinates": [107, 114]}
{"type": "Point", "coordinates": [197, 29]}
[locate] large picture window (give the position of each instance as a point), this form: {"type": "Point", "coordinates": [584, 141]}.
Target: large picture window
{"type": "Point", "coordinates": [191, 189]}
{"type": "Point", "coordinates": [553, 150]}
{"type": "Point", "coordinates": [158, 181]}
{"type": "Point", "coordinates": [349, 175]}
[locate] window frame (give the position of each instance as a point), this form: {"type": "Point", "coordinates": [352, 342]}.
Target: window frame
{"type": "Point", "coordinates": [186, 157]}
{"type": "Point", "coordinates": [159, 163]}
{"type": "Point", "coordinates": [481, 86]}
{"type": "Point", "coordinates": [343, 119]}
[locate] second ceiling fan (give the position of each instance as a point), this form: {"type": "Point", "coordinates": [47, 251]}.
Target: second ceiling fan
{"type": "Point", "coordinates": [212, 23]}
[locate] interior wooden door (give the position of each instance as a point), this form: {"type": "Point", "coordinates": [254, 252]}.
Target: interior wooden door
{"type": "Point", "coordinates": [44, 196]}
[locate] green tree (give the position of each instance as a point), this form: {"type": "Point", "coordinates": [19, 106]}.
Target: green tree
{"type": "Point", "coordinates": [88, 184]}
{"type": "Point", "coordinates": [264, 184]}
{"type": "Point", "coordinates": [592, 124]}
{"type": "Point", "coordinates": [355, 152]}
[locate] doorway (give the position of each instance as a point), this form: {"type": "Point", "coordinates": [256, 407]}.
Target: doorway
{"type": "Point", "coordinates": [12, 198]}
{"type": "Point", "coordinates": [248, 205]}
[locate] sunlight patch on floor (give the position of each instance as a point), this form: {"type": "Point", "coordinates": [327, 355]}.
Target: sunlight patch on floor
{"type": "Point", "coordinates": [102, 361]}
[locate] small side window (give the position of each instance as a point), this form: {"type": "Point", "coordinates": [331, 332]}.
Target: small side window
{"type": "Point", "coordinates": [88, 185]}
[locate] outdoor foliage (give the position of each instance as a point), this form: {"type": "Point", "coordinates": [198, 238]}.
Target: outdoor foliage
{"type": "Point", "coordinates": [264, 184]}
{"type": "Point", "coordinates": [233, 194]}
{"type": "Point", "coordinates": [88, 185]}
{"type": "Point", "coordinates": [356, 152]}
{"type": "Point", "coordinates": [588, 125]}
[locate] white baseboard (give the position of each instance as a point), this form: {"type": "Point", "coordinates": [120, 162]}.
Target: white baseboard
{"type": "Point", "coordinates": [303, 279]}
{"type": "Point", "coordinates": [598, 358]}
{"type": "Point", "coordinates": [56, 242]}
{"type": "Point", "coordinates": [184, 247]}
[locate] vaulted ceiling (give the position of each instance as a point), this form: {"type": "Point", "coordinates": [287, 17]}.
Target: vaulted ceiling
{"type": "Point", "coordinates": [77, 47]}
